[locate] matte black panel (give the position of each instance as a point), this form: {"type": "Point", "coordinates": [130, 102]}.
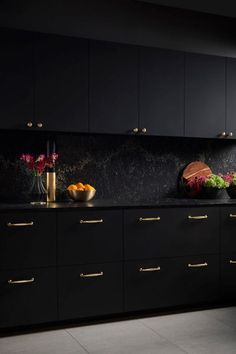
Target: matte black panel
{"type": "Point", "coordinates": [16, 79]}
{"type": "Point", "coordinates": [29, 303]}
{"type": "Point", "coordinates": [89, 243]}
{"type": "Point", "coordinates": [162, 92]}
{"type": "Point", "coordinates": [27, 246]}
{"type": "Point", "coordinates": [231, 96]}
{"type": "Point", "coordinates": [205, 96]}
{"type": "Point", "coordinates": [113, 84]}
{"type": "Point", "coordinates": [173, 235]}
{"type": "Point", "coordinates": [92, 296]}
{"type": "Point", "coordinates": [61, 65]}
{"type": "Point", "coordinates": [228, 230]}
{"type": "Point", "coordinates": [228, 275]}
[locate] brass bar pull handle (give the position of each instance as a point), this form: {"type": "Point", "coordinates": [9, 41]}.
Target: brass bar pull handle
{"type": "Point", "coordinates": [91, 275]}
{"type": "Point", "coordinates": [24, 281]}
{"type": "Point", "coordinates": [150, 219]}
{"type": "Point", "coordinates": [232, 215]}
{"type": "Point", "coordinates": [156, 269]}
{"type": "Point", "coordinates": [197, 265]}
{"type": "Point", "coordinates": [232, 262]}
{"type": "Point", "coordinates": [91, 221]}
{"type": "Point", "coordinates": [198, 217]}
{"type": "Point", "coordinates": [20, 224]}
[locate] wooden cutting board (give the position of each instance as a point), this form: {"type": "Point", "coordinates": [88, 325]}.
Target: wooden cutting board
{"type": "Point", "coordinates": [195, 169]}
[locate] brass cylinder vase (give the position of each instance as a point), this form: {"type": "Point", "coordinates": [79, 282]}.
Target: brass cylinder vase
{"type": "Point", "coordinates": [51, 186]}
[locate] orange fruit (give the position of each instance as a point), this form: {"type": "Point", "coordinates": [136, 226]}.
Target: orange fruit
{"type": "Point", "coordinates": [80, 185]}
{"type": "Point", "coordinates": [88, 187]}
{"type": "Point", "coordinates": [72, 187]}
{"type": "Point", "coordinates": [80, 189]}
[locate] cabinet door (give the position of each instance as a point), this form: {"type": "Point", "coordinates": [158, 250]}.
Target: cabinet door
{"type": "Point", "coordinates": [113, 102]}
{"type": "Point", "coordinates": [228, 230]}
{"type": "Point", "coordinates": [205, 96]}
{"type": "Point", "coordinates": [89, 236]}
{"type": "Point", "coordinates": [151, 233]}
{"type": "Point", "coordinates": [162, 92]}
{"type": "Point", "coordinates": [90, 290]}
{"type": "Point", "coordinates": [28, 296]}
{"type": "Point", "coordinates": [27, 240]}
{"type": "Point", "coordinates": [61, 79]}
{"type": "Point", "coordinates": [16, 79]}
{"type": "Point", "coordinates": [228, 276]}
{"type": "Point", "coordinates": [169, 282]}
{"type": "Point", "coordinates": [231, 97]}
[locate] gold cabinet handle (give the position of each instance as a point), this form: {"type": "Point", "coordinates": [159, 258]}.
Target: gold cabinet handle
{"type": "Point", "coordinates": [24, 281]}
{"type": "Point", "coordinates": [29, 124]}
{"type": "Point", "coordinates": [156, 269]}
{"type": "Point", "coordinates": [39, 125]}
{"type": "Point", "coordinates": [197, 265]}
{"type": "Point", "coordinates": [232, 262]}
{"type": "Point", "coordinates": [91, 275]}
{"type": "Point", "coordinates": [20, 224]}
{"type": "Point", "coordinates": [91, 221]}
{"type": "Point", "coordinates": [232, 215]}
{"type": "Point", "coordinates": [230, 134]}
{"type": "Point", "coordinates": [135, 130]}
{"type": "Point", "coordinates": [198, 217]}
{"type": "Point", "coordinates": [144, 130]}
{"type": "Point", "coordinates": [150, 219]}
{"type": "Point", "coordinates": [223, 134]}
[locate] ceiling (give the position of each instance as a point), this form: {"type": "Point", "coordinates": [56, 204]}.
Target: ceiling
{"type": "Point", "coordinates": [223, 7]}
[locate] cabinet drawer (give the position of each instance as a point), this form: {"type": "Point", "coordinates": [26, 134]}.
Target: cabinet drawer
{"type": "Point", "coordinates": [90, 290]}
{"type": "Point", "coordinates": [27, 240]}
{"type": "Point", "coordinates": [27, 297]}
{"type": "Point", "coordinates": [89, 237]}
{"type": "Point", "coordinates": [166, 282]}
{"type": "Point", "coordinates": [228, 276]}
{"type": "Point", "coordinates": [151, 233]}
{"type": "Point", "coordinates": [228, 229]}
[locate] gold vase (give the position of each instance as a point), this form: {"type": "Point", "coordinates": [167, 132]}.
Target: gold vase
{"type": "Point", "coordinates": [51, 186]}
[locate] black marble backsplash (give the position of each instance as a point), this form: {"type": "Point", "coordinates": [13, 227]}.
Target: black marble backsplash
{"type": "Point", "coordinates": [128, 168]}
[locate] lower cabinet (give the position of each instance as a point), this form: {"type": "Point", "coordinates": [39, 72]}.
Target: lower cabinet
{"type": "Point", "coordinates": [228, 276]}
{"type": "Point", "coordinates": [28, 296]}
{"type": "Point", "coordinates": [90, 290]}
{"type": "Point", "coordinates": [170, 282]}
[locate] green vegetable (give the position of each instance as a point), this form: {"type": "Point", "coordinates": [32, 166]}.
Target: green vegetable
{"type": "Point", "coordinates": [215, 181]}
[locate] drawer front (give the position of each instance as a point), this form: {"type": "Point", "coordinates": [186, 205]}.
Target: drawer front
{"type": "Point", "coordinates": [228, 229]}
{"type": "Point", "coordinates": [89, 237]}
{"type": "Point", "coordinates": [151, 233]}
{"type": "Point", "coordinates": [90, 290]}
{"type": "Point", "coordinates": [27, 297]}
{"type": "Point", "coordinates": [160, 283]}
{"type": "Point", "coordinates": [228, 277]}
{"type": "Point", "coordinates": [27, 240]}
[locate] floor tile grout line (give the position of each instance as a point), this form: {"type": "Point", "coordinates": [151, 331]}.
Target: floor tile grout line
{"type": "Point", "coordinates": [169, 341]}
{"type": "Point", "coordinates": [77, 341]}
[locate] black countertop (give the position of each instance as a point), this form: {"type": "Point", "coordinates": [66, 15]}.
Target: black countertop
{"type": "Point", "coordinates": [168, 202]}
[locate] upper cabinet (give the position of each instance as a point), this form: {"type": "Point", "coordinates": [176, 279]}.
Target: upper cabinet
{"type": "Point", "coordinates": [16, 79]}
{"type": "Point", "coordinates": [231, 97]}
{"type": "Point", "coordinates": [161, 96]}
{"type": "Point", "coordinates": [113, 85]}
{"type": "Point", "coordinates": [61, 83]}
{"type": "Point", "coordinates": [205, 96]}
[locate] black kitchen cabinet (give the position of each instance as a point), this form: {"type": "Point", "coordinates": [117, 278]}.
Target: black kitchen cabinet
{"type": "Point", "coordinates": [16, 79]}
{"type": "Point", "coordinates": [27, 240]}
{"type": "Point", "coordinates": [205, 96]}
{"type": "Point", "coordinates": [61, 83]}
{"type": "Point", "coordinates": [161, 96]}
{"type": "Point", "coordinates": [90, 290]}
{"type": "Point", "coordinates": [230, 97]}
{"type": "Point", "coordinates": [151, 233]}
{"type": "Point", "coordinates": [89, 237]}
{"type": "Point", "coordinates": [28, 296]}
{"type": "Point", "coordinates": [228, 230]}
{"type": "Point", "coordinates": [171, 282]}
{"type": "Point", "coordinates": [228, 275]}
{"type": "Point", "coordinates": [113, 85]}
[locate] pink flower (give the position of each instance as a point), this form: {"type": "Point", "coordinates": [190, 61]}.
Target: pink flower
{"type": "Point", "coordinates": [39, 163]}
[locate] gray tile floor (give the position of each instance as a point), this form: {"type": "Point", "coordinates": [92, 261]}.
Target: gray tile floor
{"type": "Point", "coordinates": [200, 332]}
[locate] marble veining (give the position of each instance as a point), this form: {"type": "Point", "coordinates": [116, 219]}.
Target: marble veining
{"type": "Point", "coordinates": [131, 168]}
